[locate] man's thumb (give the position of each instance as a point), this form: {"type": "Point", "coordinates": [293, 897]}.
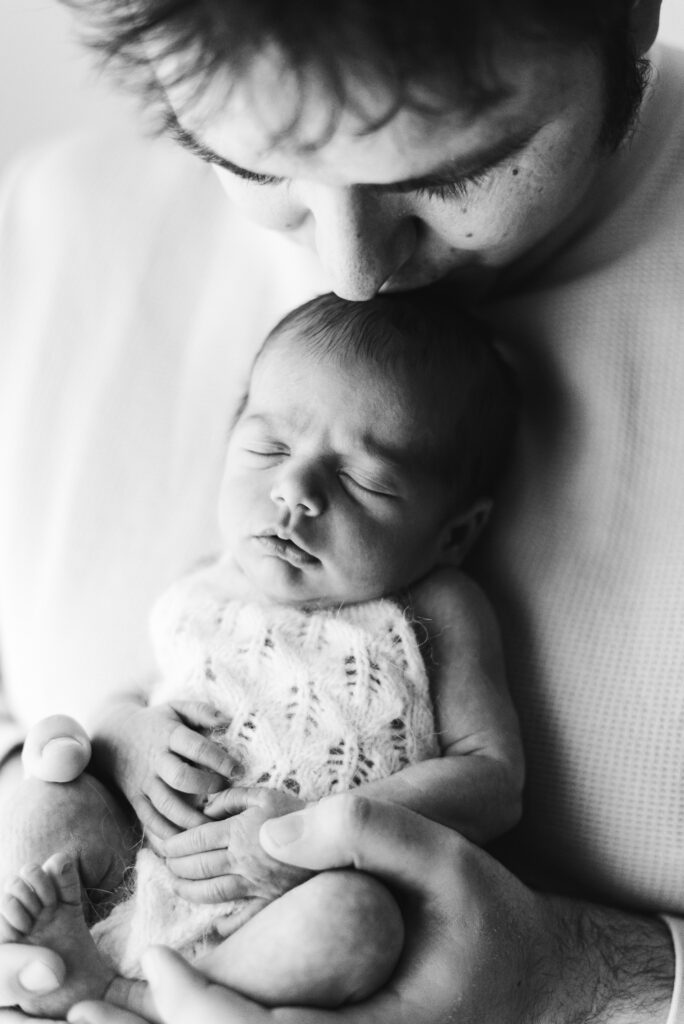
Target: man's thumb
{"type": "Point", "coordinates": [385, 839]}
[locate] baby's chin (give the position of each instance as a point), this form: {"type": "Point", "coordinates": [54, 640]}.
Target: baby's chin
{"type": "Point", "coordinates": [286, 585]}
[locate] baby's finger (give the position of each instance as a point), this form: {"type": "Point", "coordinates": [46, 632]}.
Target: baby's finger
{"type": "Point", "coordinates": [184, 778]}
{"type": "Point", "coordinates": [171, 805]}
{"type": "Point", "coordinates": [199, 714]}
{"type": "Point", "coordinates": [164, 812]}
{"type": "Point", "coordinates": [200, 865]}
{"type": "Point", "coordinates": [228, 802]}
{"type": "Point", "coordinates": [210, 836]}
{"type": "Point", "coordinates": [213, 890]}
{"type": "Point", "coordinates": [202, 751]}
{"type": "Point", "coordinates": [151, 820]}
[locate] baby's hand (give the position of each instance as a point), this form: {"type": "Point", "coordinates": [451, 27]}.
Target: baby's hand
{"type": "Point", "coordinates": [159, 760]}
{"type": "Point", "coordinates": [224, 860]}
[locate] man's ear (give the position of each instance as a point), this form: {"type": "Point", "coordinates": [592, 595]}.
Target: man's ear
{"type": "Point", "coordinates": [460, 532]}
{"type": "Point", "coordinates": [644, 20]}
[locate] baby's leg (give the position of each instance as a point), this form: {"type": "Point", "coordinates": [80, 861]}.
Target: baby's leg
{"type": "Point", "coordinates": [42, 907]}
{"type": "Point", "coordinates": [332, 940]}
{"type": "Point", "coordinates": [79, 816]}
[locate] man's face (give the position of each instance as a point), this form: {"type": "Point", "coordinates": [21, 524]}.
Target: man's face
{"type": "Point", "coordinates": [427, 196]}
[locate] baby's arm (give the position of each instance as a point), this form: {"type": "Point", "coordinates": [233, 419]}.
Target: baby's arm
{"type": "Point", "coordinates": [475, 785]}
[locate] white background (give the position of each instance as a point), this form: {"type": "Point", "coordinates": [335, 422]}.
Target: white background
{"type": "Point", "coordinates": [47, 86]}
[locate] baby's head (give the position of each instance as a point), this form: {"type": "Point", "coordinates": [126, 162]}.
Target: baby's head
{"type": "Point", "coordinates": [366, 450]}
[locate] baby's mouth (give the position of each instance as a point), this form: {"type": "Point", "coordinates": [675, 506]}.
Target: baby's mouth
{"type": "Point", "coordinates": [285, 548]}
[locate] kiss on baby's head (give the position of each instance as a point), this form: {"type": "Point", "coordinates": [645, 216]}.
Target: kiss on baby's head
{"type": "Point", "coordinates": [367, 448]}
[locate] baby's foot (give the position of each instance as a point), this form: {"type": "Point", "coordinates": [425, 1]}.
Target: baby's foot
{"type": "Point", "coordinates": [42, 907]}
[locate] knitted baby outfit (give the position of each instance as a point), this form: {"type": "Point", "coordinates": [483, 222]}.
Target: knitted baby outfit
{"type": "Point", "coordinates": [318, 701]}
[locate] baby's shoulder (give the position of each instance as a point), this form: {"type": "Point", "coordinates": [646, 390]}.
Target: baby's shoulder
{"type": "Point", "coordinates": [449, 598]}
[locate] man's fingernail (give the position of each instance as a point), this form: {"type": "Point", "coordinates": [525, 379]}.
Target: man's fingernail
{"type": "Point", "coordinates": [38, 977]}
{"type": "Point", "coordinates": [76, 1016]}
{"type": "Point", "coordinates": [285, 830]}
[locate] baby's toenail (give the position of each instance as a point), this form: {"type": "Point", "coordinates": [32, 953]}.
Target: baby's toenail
{"type": "Point", "coordinates": [38, 977]}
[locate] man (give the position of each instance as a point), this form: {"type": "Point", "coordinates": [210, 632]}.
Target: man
{"type": "Point", "coordinates": [489, 151]}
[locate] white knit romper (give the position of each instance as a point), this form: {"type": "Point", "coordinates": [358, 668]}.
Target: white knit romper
{"type": "Point", "coordinates": [318, 701]}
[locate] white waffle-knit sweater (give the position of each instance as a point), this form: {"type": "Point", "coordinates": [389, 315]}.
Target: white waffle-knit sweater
{"type": "Point", "coordinates": [319, 701]}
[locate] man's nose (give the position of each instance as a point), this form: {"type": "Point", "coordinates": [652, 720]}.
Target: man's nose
{"type": "Point", "coordinates": [361, 239]}
{"type": "Point", "coordinates": [298, 489]}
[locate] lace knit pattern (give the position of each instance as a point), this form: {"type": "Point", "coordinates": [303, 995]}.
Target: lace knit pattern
{"type": "Point", "coordinates": [318, 702]}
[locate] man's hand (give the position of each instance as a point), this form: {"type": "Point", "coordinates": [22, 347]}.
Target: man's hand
{"type": "Point", "coordinates": [160, 760]}
{"type": "Point", "coordinates": [480, 946]}
{"type": "Point", "coordinates": [24, 970]}
{"type": "Point", "coordinates": [224, 860]}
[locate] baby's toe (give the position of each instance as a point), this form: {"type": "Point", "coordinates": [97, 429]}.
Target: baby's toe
{"type": "Point", "coordinates": [15, 914]}
{"type": "Point", "coordinates": [62, 869]}
{"type": "Point", "coordinates": [25, 895]}
{"type": "Point", "coordinates": [41, 884]}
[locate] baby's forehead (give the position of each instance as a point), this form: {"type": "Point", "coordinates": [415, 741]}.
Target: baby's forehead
{"type": "Point", "coordinates": [340, 354]}
{"type": "Point", "coordinates": [386, 398]}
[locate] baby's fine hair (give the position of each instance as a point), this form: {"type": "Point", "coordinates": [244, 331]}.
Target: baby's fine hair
{"type": "Point", "coordinates": [446, 358]}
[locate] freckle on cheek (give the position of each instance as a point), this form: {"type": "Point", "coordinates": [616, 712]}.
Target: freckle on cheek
{"type": "Point", "coordinates": [469, 234]}
{"type": "Point", "coordinates": [515, 171]}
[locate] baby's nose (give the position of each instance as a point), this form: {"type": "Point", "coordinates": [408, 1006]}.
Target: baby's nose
{"type": "Point", "coordinates": [299, 490]}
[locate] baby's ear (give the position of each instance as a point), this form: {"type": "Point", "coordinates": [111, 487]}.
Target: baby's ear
{"type": "Point", "coordinates": [461, 531]}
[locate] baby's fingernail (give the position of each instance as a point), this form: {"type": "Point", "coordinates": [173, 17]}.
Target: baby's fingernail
{"type": "Point", "coordinates": [38, 977]}
{"type": "Point", "coordinates": [285, 830]}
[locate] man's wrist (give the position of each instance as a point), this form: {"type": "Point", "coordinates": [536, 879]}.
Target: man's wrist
{"type": "Point", "coordinates": [612, 967]}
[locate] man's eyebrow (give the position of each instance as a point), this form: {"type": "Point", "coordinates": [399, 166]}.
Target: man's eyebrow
{"type": "Point", "coordinates": [448, 171]}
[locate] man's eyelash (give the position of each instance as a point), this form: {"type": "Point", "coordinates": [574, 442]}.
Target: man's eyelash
{"type": "Point", "coordinates": [190, 143]}
{"type": "Point", "coordinates": [457, 189]}
{"type": "Point", "coordinates": [256, 179]}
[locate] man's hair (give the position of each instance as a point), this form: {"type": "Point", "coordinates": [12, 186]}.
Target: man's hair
{"type": "Point", "coordinates": [465, 391]}
{"type": "Point", "coordinates": [400, 46]}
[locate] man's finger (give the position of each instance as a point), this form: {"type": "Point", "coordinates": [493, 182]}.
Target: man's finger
{"type": "Point", "coordinates": [182, 994]}
{"type": "Point", "coordinates": [352, 831]}
{"type": "Point", "coordinates": [28, 969]}
{"type": "Point", "coordinates": [92, 1012]}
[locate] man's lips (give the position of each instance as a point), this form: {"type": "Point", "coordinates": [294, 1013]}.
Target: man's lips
{"type": "Point", "coordinates": [283, 547]}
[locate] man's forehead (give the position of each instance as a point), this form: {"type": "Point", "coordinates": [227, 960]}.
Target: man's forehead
{"type": "Point", "coordinates": [411, 145]}
{"type": "Point", "coordinates": [271, 112]}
